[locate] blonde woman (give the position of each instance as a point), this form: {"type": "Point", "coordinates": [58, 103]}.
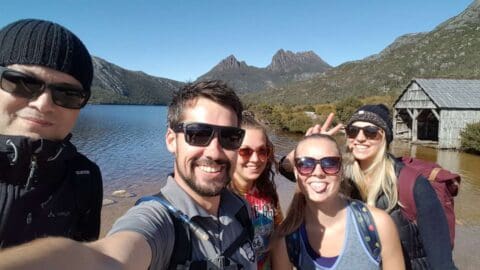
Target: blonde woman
{"type": "Point", "coordinates": [325, 223]}
{"type": "Point", "coordinates": [374, 172]}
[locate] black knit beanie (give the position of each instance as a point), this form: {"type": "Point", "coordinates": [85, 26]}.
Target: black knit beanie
{"type": "Point", "coordinates": [376, 114]}
{"type": "Point", "coordinates": [44, 43]}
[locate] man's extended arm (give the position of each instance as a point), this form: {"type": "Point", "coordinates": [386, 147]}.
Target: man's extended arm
{"type": "Point", "coordinates": [123, 250]}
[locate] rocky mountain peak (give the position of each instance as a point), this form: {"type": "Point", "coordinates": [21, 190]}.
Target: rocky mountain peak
{"type": "Point", "coordinates": [284, 61]}
{"type": "Point", "coordinates": [229, 63]}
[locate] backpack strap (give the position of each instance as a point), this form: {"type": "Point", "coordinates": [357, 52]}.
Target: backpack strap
{"type": "Point", "coordinates": [246, 235]}
{"type": "Point", "coordinates": [82, 183]}
{"type": "Point", "coordinates": [182, 234]}
{"type": "Point", "coordinates": [433, 174]}
{"type": "Point", "coordinates": [406, 182]}
{"type": "Point", "coordinates": [182, 247]}
{"type": "Point", "coordinates": [88, 191]}
{"type": "Point", "coordinates": [293, 247]}
{"type": "Point", "coordinates": [367, 228]}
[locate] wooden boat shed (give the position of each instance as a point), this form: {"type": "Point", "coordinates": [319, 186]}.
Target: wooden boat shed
{"type": "Point", "coordinates": [436, 110]}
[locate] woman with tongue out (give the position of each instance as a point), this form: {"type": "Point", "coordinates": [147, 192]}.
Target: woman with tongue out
{"type": "Point", "coordinates": [254, 180]}
{"type": "Point", "coordinates": [322, 228]}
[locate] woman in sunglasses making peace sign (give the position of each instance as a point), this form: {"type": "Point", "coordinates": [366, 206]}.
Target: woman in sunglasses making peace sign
{"type": "Point", "coordinates": [253, 179]}
{"type": "Point", "coordinates": [325, 230]}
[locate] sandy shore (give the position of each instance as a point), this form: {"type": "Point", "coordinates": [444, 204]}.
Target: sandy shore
{"type": "Point", "coordinates": [467, 242]}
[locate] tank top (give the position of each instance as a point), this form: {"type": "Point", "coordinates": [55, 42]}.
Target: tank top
{"type": "Point", "coordinates": [353, 255]}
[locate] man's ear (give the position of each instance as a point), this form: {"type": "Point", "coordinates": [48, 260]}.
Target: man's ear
{"type": "Point", "coordinates": [171, 141]}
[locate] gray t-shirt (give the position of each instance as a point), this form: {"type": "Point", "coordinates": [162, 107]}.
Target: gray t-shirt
{"type": "Point", "coordinates": [152, 220]}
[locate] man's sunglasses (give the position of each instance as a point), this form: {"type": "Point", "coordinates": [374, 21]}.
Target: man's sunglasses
{"type": "Point", "coordinates": [27, 86]}
{"type": "Point", "coordinates": [370, 132]}
{"type": "Point", "coordinates": [200, 134]}
{"type": "Point", "coordinates": [329, 165]}
{"type": "Point", "coordinates": [247, 152]}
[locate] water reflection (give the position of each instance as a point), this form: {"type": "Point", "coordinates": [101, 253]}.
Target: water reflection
{"type": "Point", "coordinates": [127, 142]}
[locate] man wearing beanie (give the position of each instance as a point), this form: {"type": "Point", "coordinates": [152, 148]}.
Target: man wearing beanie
{"type": "Point", "coordinates": [47, 188]}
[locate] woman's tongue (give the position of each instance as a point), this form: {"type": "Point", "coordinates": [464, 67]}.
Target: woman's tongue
{"type": "Point", "coordinates": [318, 186]}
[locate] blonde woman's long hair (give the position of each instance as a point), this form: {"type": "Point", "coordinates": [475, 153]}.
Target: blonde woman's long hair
{"type": "Point", "coordinates": [381, 175]}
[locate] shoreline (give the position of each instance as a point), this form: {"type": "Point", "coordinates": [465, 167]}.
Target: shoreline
{"type": "Point", "coordinates": [466, 253]}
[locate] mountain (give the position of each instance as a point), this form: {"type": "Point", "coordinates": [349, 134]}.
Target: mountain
{"type": "Point", "coordinates": [285, 67]}
{"type": "Point", "coordinates": [302, 62]}
{"type": "Point", "coordinates": [115, 85]}
{"type": "Point", "coordinates": [448, 51]}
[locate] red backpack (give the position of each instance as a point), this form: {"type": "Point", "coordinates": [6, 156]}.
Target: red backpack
{"type": "Point", "coordinates": [445, 183]}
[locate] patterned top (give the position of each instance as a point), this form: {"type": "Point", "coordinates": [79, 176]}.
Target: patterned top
{"type": "Point", "coordinates": [265, 218]}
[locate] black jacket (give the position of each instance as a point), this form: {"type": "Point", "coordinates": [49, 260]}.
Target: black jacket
{"type": "Point", "coordinates": [47, 189]}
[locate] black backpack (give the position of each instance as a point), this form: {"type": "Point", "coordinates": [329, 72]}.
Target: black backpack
{"type": "Point", "coordinates": [183, 231]}
{"type": "Point", "coordinates": [369, 235]}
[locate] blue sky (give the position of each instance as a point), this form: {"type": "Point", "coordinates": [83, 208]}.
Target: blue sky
{"type": "Point", "coordinates": [181, 40]}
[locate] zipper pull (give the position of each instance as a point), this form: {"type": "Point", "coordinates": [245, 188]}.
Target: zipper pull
{"type": "Point", "coordinates": [33, 168]}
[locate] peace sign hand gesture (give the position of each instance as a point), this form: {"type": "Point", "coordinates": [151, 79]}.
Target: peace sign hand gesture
{"type": "Point", "coordinates": [286, 163]}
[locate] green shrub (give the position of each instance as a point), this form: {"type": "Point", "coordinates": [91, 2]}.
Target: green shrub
{"type": "Point", "coordinates": [346, 108]}
{"type": "Point", "coordinates": [470, 138]}
{"type": "Point", "coordinates": [308, 108]}
{"type": "Point", "coordinates": [297, 122]}
{"type": "Point", "coordinates": [324, 109]}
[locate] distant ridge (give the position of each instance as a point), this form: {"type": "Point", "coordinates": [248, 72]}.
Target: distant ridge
{"type": "Point", "coordinates": [115, 85]}
{"type": "Point", "coordinates": [285, 67]}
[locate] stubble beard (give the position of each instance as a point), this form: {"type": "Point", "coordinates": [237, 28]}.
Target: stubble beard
{"type": "Point", "coordinates": [213, 189]}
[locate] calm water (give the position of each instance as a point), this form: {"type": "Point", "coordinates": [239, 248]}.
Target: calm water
{"type": "Point", "coordinates": [127, 142]}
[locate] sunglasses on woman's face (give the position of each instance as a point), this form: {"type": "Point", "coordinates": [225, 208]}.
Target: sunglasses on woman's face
{"type": "Point", "coordinates": [200, 134]}
{"type": "Point", "coordinates": [329, 165]}
{"type": "Point", "coordinates": [29, 87]}
{"type": "Point", "coordinates": [370, 132]}
{"type": "Point", "coordinates": [247, 152]}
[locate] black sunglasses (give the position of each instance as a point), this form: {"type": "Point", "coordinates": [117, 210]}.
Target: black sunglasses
{"type": "Point", "coordinates": [27, 86]}
{"type": "Point", "coordinates": [329, 165]}
{"type": "Point", "coordinates": [370, 132]}
{"type": "Point", "coordinates": [200, 134]}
